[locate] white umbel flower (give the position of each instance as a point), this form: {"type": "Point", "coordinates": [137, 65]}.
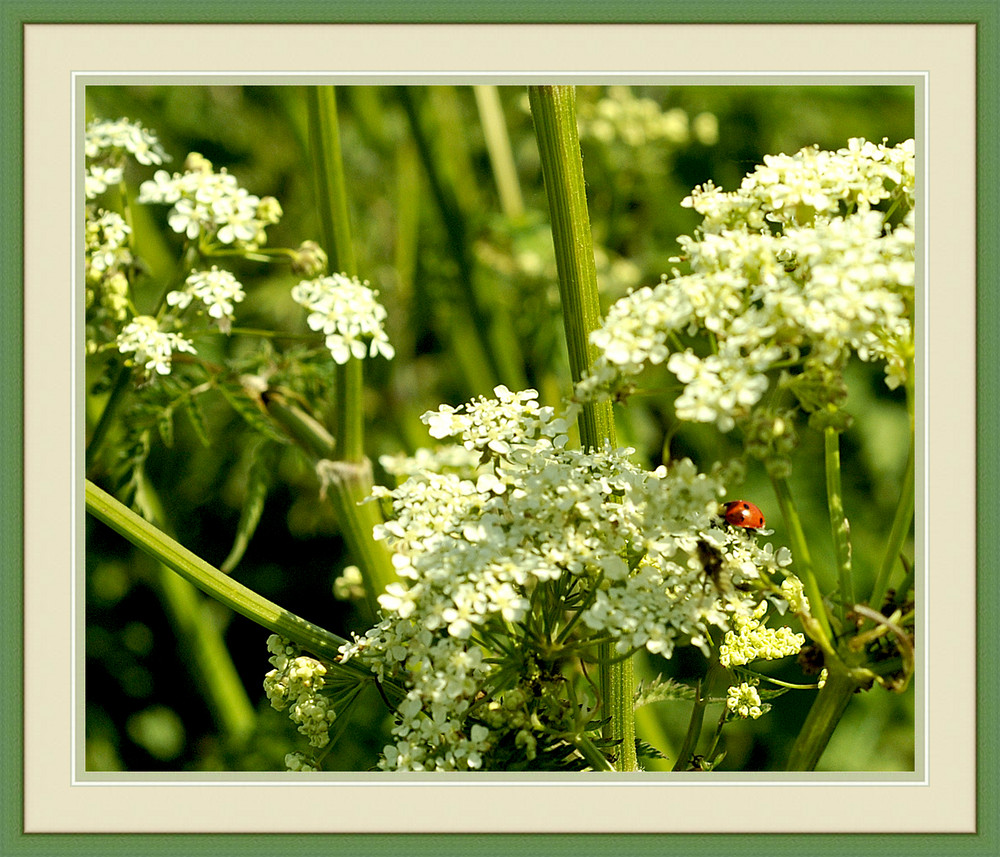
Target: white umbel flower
{"type": "Point", "coordinates": [346, 310]}
{"type": "Point", "coordinates": [153, 349]}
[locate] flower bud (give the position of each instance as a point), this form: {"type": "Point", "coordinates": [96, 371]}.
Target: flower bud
{"type": "Point", "coordinates": [269, 210]}
{"type": "Point", "coordinates": [309, 260]}
{"type": "Point", "coordinates": [197, 163]}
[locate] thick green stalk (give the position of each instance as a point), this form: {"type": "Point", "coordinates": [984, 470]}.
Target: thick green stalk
{"type": "Point", "coordinates": [334, 216]}
{"type": "Point", "coordinates": [839, 527]}
{"type": "Point", "coordinates": [831, 701]}
{"type": "Point", "coordinates": [328, 172]}
{"type": "Point", "coordinates": [553, 109]}
{"type": "Point", "coordinates": [348, 478]}
{"type": "Point", "coordinates": [346, 485]}
{"type": "Point", "coordinates": [213, 582]}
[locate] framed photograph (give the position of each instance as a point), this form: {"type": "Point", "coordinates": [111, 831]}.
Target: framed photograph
{"type": "Point", "coordinates": [536, 432]}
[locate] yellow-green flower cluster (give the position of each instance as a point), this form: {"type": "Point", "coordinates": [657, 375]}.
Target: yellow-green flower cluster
{"type": "Point", "coordinates": [298, 762]}
{"type": "Point", "coordinates": [295, 683]}
{"type": "Point", "coordinates": [744, 701]}
{"type": "Point", "coordinates": [794, 592]}
{"type": "Point", "coordinates": [750, 640]}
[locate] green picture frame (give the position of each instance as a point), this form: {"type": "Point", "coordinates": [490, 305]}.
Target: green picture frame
{"type": "Point", "coordinates": [14, 16]}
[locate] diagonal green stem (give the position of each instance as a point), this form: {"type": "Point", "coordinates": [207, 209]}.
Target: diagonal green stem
{"type": "Point", "coordinates": [803, 564]}
{"type": "Point", "coordinates": [553, 109]}
{"type": "Point", "coordinates": [111, 407]}
{"type": "Point", "coordinates": [213, 582]}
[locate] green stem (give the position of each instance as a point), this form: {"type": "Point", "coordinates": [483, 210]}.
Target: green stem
{"type": "Point", "coordinates": [839, 526]}
{"type": "Point", "coordinates": [825, 714]}
{"type": "Point", "coordinates": [553, 109]}
{"type": "Point", "coordinates": [115, 399]}
{"type": "Point", "coordinates": [498, 146]}
{"type": "Point", "coordinates": [335, 221]}
{"type": "Point", "coordinates": [348, 479]}
{"type": "Point", "coordinates": [693, 731]}
{"type": "Point", "coordinates": [481, 325]}
{"type": "Point", "coordinates": [803, 564]}
{"type": "Point", "coordinates": [346, 485]}
{"type": "Point", "coordinates": [213, 582]}
{"type": "Point", "coordinates": [593, 755]}
{"type": "Point", "coordinates": [897, 535]}
{"type": "Point", "coordinates": [328, 172]}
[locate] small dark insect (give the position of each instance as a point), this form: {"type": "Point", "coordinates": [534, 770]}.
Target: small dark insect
{"type": "Point", "coordinates": [711, 562]}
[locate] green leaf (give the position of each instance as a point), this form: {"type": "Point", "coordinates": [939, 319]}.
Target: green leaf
{"type": "Point", "coordinates": [661, 690]}
{"type": "Point", "coordinates": [259, 481]}
{"type": "Point", "coordinates": [165, 424]}
{"type": "Point", "coordinates": [193, 409]}
{"type": "Point", "coordinates": [251, 414]}
{"type": "Point", "coordinates": [647, 751]}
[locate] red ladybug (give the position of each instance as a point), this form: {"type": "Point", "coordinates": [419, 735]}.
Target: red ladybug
{"type": "Point", "coordinates": [741, 513]}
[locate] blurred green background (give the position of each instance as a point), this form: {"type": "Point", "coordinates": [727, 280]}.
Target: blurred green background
{"type": "Point", "coordinates": [451, 254]}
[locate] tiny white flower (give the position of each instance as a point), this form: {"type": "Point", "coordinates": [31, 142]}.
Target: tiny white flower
{"type": "Point", "coordinates": [152, 348]}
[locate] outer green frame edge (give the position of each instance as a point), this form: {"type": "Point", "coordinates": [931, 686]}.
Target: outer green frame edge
{"type": "Point", "coordinates": [13, 15]}
{"type": "Point", "coordinates": [498, 11]}
{"type": "Point", "coordinates": [11, 432]}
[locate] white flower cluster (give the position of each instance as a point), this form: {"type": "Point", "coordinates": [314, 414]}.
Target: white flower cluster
{"type": "Point", "coordinates": [153, 348]}
{"type": "Point", "coordinates": [211, 205]}
{"type": "Point", "coordinates": [349, 585]}
{"type": "Point", "coordinates": [794, 268]}
{"type": "Point", "coordinates": [744, 701]}
{"type": "Point", "coordinates": [480, 552]}
{"type": "Point", "coordinates": [296, 683]}
{"type": "Point", "coordinates": [636, 121]}
{"type": "Point", "coordinates": [110, 138]}
{"type": "Point", "coordinates": [218, 290]}
{"type": "Point", "coordinates": [442, 459]}
{"type": "Point", "coordinates": [99, 178]}
{"type": "Point", "coordinates": [346, 310]}
{"type": "Point", "coordinates": [106, 258]}
{"type": "Point", "coordinates": [750, 640]}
